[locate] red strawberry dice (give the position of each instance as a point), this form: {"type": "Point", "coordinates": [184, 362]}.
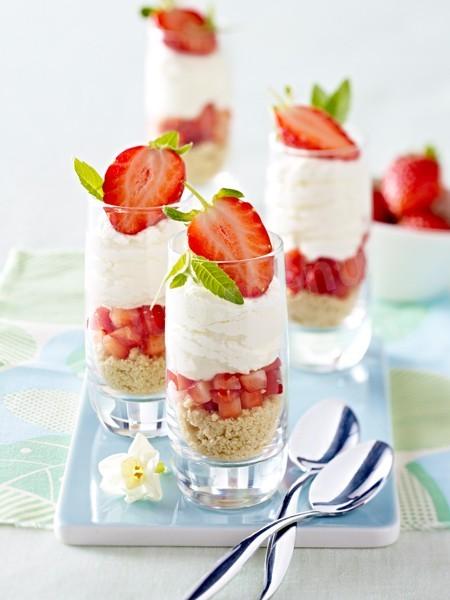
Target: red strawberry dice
{"type": "Point", "coordinates": [226, 381]}
{"type": "Point", "coordinates": [251, 399]}
{"type": "Point", "coordinates": [276, 364]}
{"type": "Point", "coordinates": [154, 345]}
{"type": "Point", "coordinates": [115, 347]}
{"type": "Point", "coordinates": [210, 406]}
{"type": "Point", "coordinates": [121, 317]}
{"type": "Point", "coordinates": [184, 383]}
{"type": "Point", "coordinates": [424, 219]}
{"type": "Point", "coordinates": [186, 31]}
{"type": "Point", "coordinates": [411, 183]}
{"type": "Point", "coordinates": [231, 230]}
{"type": "Point", "coordinates": [153, 319]}
{"type": "Point", "coordinates": [171, 376]}
{"type": "Point", "coordinates": [101, 320]}
{"type": "Point", "coordinates": [229, 404]}
{"type": "Point", "coordinates": [295, 270]}
{"type": "Point", "coordinates": [274, 382]}
{"type": "Point", "coordinates": [201, 392]}
{"type": "Point", "coordinates": [211, 125]}
{"type": "Point", "coordinates": [313, 129]}
{"type": "Point", "coordinates": [128, 336]}
{"type": "Point", "coordinates": [254, 381]}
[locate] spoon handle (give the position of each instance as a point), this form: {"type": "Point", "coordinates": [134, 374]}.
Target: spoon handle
{"type": "Point", "coordinates": [281, 545]}
{"type": "Point", "coordinates": [233, 561]}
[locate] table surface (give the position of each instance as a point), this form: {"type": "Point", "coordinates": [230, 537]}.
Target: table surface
{"type": "Point", "coordinates": [72, 85]}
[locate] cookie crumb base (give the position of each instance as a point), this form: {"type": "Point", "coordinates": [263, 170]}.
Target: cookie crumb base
{"type": "Point", "coordinates": [320, 310]}
{"type": "Point", "coordinates": [231, 439]}
{"type": "Point", "coordinates": [137, 374]}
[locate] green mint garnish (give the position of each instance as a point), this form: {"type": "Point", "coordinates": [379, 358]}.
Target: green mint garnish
{"type": "Point", "coordinates": [181, 263]}
{"type": "Point", "coordinates": [147, 11]}
{"type": "Point", "coordinates": [170, 140]}
{"type": "Point", "coordinates": [177, 215]}
{"type": "Point", "coordinates": [431, 153]}
{"type": "Point", "coordinates": [89, 178]}
{"type": "Point", "coordinates": [179, 280]}
{"type": "Point", "coordinates": [214, 279]}
{"type": "Point", "coordinates": [225, 192]}
{"type": "Point", "coordinates": [336, 104]}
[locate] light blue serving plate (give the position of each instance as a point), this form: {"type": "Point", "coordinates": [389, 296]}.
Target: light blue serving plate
{"type": "Point", "coordinates": [85, 515]}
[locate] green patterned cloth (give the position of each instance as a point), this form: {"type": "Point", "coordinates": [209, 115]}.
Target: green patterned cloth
{"type": "Point", "coordinates": [42, 360]}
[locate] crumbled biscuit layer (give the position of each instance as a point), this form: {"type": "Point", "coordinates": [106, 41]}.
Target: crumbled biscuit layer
{"type": "Point", "coordinates": [320, 310]}
{"type": "Point", "coordinates": [231, 439]}
{"type": "Point", "coordinates": [137, 374]}
{"type": "Point", "coordinates": [204, 160]}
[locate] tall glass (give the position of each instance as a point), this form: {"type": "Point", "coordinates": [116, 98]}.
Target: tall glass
{"type": "Point", "coordinates": [191, 94]}
{"type": "Point", "coordinates": [125, 312]}
{"type": "Point", "coordinates": [227, 387]}
{"type": "Point", "coordinates": [320, 204]}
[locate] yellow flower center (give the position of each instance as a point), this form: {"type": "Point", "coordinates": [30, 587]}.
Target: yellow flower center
{"type": "Point", "coordinates": [132, 472]}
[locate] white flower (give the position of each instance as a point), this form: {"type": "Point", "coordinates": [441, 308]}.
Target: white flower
{"type": "Point", "coordinates": [135, 475]}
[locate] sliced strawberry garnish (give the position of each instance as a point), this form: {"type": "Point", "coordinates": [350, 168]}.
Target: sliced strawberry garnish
{"type": "Point", "coordinates": [313, 129]}
{"type": "Point", "coordinates": [186, 31]}
{"type": "Point", "coordinates": [254, 381]}
{"type": "Point", "coordinates": [424, 219]}
{"type": "Point", "coordinates": [226, 381]}
{"type": "Point", "coordinates": [251, 399]}
{"type": "Point", "coordinates": [411, 183]}
{"type": "Point", "coordinates": [141, 178]}
{"type": "Point", "coordinates": [231, 230]}
{"type": "Point", "coordinates": [380, 208]}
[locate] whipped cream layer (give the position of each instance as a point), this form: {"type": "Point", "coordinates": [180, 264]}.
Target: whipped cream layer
{"type": "Point", "coordinates": [180, 84]}
{"type": "Point", "coordinates": [125, 271]}
{"type": "Point", "coordinates": [206, 335]}
{"type": "Point", "coordinates": [322, 206]}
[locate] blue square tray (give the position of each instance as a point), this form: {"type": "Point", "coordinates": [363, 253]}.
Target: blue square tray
{"type": "Point", "coordinates": [85, 515]}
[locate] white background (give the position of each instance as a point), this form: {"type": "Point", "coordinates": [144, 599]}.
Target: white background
{"type": "Point", "coordinates": [71, 84]}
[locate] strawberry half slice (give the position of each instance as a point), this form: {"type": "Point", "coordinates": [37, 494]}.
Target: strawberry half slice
{"type": "Point", "coordinates": [186, 31]}
{"type": "Point", "coordinates": [313, 129]}
{"type": "Point", "coordinates": [142, 177]}
{"type": "Point", "coordinates": [231, 230]}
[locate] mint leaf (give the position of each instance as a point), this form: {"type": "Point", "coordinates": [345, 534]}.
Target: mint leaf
{"type": "Point", "coordinates": [338, 104]}
{"type": "Point", "coordinates": [171, 140]}
{"type": "Point", "coordinates": [179, 280]}
{"type": "Point", "coordinates": [147, 11]}
{"type": "Point", "coordinates": [89, 178]}
{"type": "Point", "coordinates": [177, 215]}
{"type": "Point", "coordinates": [211, 277]}
{"type": "Point", "coordinates": [319, 97]}
{"type": "Point", "coordinates": [225, 192]}
{"type": "Point", "coordinates": [183, 149]}
{"type": "Point", "coordinates": [431, 152]}
{"type": "Point", "coordinates": [177, 267]}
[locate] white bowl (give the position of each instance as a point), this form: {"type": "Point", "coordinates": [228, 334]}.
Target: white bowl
{"type": "Point", "coordinates": [409, 264]}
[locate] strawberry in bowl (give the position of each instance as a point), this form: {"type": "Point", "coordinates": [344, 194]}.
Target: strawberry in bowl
{"type": "Point", "coordinates": [411, 234]}
{"type": "Point", "coordinates": [188, 84]}
{"type": "Point", "coordinates": [225, 331]}
{"type": "Point", "coordinates": [126, 260]}
{"type": "Point", "coordinates": [318, 200]}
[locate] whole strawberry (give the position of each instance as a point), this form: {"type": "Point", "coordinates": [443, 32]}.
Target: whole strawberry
{"type": "Point", "coordinates": [412, 182]}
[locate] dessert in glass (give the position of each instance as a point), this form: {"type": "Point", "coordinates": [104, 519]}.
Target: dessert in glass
{"type": "Point", "coordinates": [126, 259]}
{"type": "Point", "coordinates": [188, 85]}
{"type": "Point", "coordinates": [226, 354]}
{"type": "Point", "coordinates": [318, 198]}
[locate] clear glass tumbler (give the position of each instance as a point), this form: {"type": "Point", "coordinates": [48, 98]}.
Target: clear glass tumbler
{"type": "Point", "coordinates": [227, 387]}
{"type": "Point", "coordinates": [125, 347]}
{"type": "Point", "coordinates": [320, 204]}
{"type": "Point", "coordinates": [191, 94]}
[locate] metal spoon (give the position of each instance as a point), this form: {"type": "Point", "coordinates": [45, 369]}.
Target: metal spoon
{"type": "Point", "coordinates": [327, 428]}
{"type": "Point", "coordinates": [350, 480]}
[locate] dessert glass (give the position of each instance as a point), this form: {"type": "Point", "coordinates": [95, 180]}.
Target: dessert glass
{"type": "Point", "coordinates": [227, 388]}
{"type": "Point", "coordinates": [190, 94]}
{"type": "Point", "coordinates": [125, 312]}
{"type": "Point", "coordinates": [320, 204]}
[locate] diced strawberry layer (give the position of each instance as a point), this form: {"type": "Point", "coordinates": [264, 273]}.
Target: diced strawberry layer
{"type": "Point", "coordinates": [211, 125]}
{"type": "Point", "coordinates": [128, 328]}
{"type": "Point", "coordinates": [230, 393]}
{"type": "Point", "coordinates": [324, 275]}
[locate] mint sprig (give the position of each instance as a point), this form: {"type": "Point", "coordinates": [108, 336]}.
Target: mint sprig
{"type": "Point", "coordinates": [177, 215]}
{"type": "Point", "coordinates": [336, 104]}
{"type": "Point", "coordinates": [147, 11]}
{"type": "Point", "coordinates": [89, 178]}
{"type": "Point", "coordinates": [170, 140]}
{"type": "Point", "coordinates": [431, 152]}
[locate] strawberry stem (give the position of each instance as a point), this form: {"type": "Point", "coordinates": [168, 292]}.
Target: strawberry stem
{"type": "Point", "coordinates": [193, 191]}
